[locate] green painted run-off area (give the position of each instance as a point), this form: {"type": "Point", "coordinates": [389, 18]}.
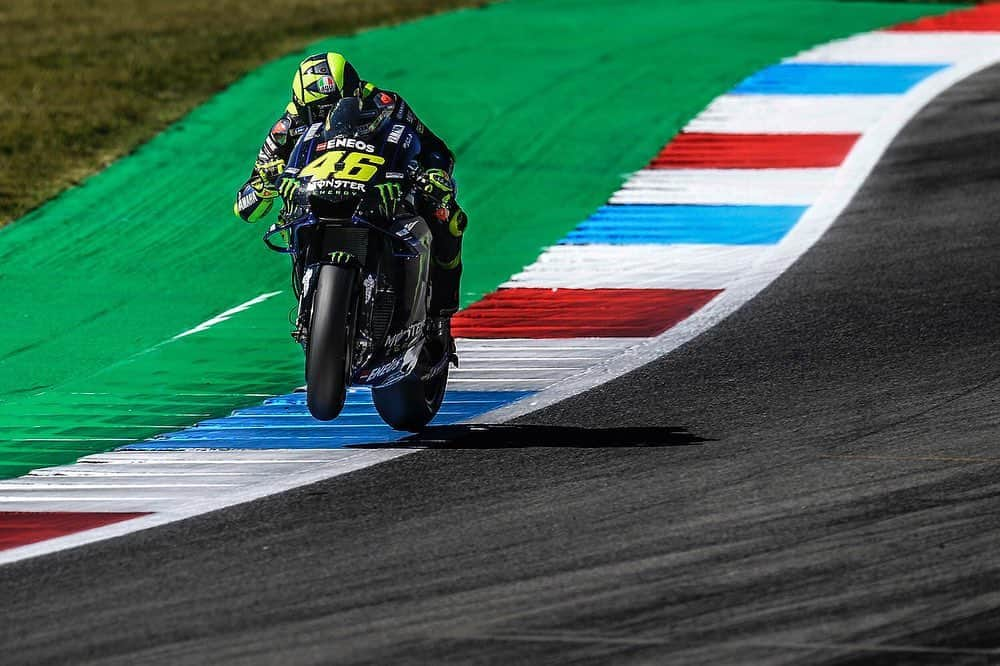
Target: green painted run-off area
{"type": "Point", "coordinates": [547, 105]}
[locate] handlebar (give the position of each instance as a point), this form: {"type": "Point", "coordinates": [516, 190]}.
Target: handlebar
{"type": "Point", "coordinates": [301, 197]}
{"type": "Point", "coordinates": [277, 229]}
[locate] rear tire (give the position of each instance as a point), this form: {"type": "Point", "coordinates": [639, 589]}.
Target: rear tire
{"type": "Point", "coordinates": [410, 403]}
{"type": "Point", "coordinates": [328, 347]}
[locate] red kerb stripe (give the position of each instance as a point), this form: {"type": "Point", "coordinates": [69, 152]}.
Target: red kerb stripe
{"type": "Point", "coordinates": [985, 18]}
{"type": "Point", "coordinates": [754, 151]}
{"type": "Point", "coordinates": [20, 528]}
{"type": "Point", "coordinates": [578, 313]}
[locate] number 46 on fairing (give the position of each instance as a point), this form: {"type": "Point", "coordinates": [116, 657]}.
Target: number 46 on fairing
{"type": "Point", "coordinates": [336, 164]}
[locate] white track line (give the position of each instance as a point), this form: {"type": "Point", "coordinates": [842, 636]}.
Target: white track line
{"type": "Point", "coordinates": [789, 187]}
{"type": "Point", "coordinates": [905, 48]}
{"type": "Point", "coordinates": [639, 266]}
{"type": "Point", "coordinates": [488, 365]}
{"type": "Point", "coordinates": [322, 465]}
{"type": "Point", "coordinates": [224, 316]}
{"type": "Point", "coordinates": [790, 114]}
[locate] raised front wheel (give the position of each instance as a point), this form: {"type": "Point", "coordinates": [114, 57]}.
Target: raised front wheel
{"type": "Point", "coordinates": [330, 336]}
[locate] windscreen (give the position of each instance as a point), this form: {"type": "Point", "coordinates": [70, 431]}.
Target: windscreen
{"type": "Point", "coordinates": [345, 118]}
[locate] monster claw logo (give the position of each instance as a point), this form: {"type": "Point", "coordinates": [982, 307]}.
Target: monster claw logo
{"type": "Point", "coordinates": [390, 193]}
{"type": "Point", "coordinates": [341, 258]}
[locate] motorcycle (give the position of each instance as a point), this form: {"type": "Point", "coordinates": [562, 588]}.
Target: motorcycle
{"type": "Point", "coordinates": [361, 260]}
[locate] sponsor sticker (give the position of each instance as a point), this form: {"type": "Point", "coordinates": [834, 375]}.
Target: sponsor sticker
{"type": "Point", "coordinates": [384, 370]}
{"type": "Point", "coordinates": [247, 200]}
{"type": "Point", "coordinates": [326, 85]}
{"type": "Point", "coordinates": [396, 133]}
{"type": "Point", "coordinates": [336, 183]}
{"type": "Point", "coordinates": [410, 331]}
{"type": "Point", "coordinates": [344, 142]}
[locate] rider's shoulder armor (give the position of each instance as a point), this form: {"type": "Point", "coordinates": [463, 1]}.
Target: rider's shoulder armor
{"type": "Point", "coordinates": [401, 111]}
{"type": "Point", "coordinates": [434, 152]}
{"type": "Point", "coordinates": [282, 135]}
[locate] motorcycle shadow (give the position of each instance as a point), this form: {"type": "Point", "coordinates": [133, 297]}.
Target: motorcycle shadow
{"type": "Point", "coordinates": [481, 436]}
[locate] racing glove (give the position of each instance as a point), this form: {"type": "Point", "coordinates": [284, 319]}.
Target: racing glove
{"type": "Point", "coordinates": [250, 206]}
{"type": "Point", "coordinates": [265, 175]}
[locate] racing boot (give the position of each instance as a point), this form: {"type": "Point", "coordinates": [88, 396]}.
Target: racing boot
{"type": "Point", "coordinates": [445, 277]}
{"type": "Point", "coordinates": [438, 331]}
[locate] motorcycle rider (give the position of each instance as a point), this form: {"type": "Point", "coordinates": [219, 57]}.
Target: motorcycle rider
{"type": "Point", "coordinates": [320, 82]}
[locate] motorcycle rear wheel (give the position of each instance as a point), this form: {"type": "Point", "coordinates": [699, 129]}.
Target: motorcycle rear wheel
{"type": "Point", "coordinates": [411, 403]}
{"type": "Point", "coordinates": [328, 347]}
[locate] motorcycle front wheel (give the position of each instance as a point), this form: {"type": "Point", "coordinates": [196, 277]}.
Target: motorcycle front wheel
{"type": "Point", "coordinates": [328, 347]}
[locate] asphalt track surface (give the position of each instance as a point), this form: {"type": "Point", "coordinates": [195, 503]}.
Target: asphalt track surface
{"type": "Point", "coordinates": [813, 481]}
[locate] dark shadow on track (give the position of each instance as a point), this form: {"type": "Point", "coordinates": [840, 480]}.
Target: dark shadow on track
{"type": "Point", "coordinates": [534, 436]}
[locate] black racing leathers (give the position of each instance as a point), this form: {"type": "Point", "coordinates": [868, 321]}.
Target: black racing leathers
{"type": "Point", "coordinates": [447, 222]}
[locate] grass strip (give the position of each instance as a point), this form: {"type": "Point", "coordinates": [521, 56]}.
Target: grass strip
{"type": "Point", "coordinates": [82, 82]}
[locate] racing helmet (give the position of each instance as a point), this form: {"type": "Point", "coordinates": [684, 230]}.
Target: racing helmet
{"type": "Point", "coordinates": [320, 82]}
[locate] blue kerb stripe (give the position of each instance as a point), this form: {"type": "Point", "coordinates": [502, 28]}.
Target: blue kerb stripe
{"type": "Point", "coordinates": [822, 79]}
{"type": "Point", "coordinates": [284, 423]}
{"type": "Point", "coordinates": [656, 224]}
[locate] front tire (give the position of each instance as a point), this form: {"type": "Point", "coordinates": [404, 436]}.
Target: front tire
{"type": "Point", "coordinates": [411, 403]}
{"type": "Point", "coordinates": [327, 351]}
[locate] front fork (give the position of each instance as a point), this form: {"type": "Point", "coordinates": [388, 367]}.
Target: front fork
{"type": "Point", "coordinates": [302, 318]}
{"type": "Point", "coordinates": [307, 289]}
